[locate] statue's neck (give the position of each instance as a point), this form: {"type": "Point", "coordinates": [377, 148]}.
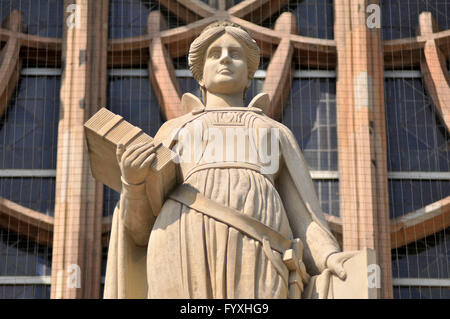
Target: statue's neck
{"type": "Point", "coordinates": [224, 100]}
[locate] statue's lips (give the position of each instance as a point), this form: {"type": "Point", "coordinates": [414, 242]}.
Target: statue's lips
{"type": "Point", "coordinates": [225, 71]}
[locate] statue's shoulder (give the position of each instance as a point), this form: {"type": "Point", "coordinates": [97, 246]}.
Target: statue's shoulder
{"type": "Point", "coordinates": [262, 102]}
{"type": "Point", "coordinates": [170, 127]}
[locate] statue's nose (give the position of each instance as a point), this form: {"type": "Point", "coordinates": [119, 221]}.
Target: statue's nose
{"type": "Point", "coordinates": [225, 58]}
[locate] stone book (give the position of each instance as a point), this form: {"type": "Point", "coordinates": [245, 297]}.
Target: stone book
{"type": "Point", "coordinates": [104, 131]}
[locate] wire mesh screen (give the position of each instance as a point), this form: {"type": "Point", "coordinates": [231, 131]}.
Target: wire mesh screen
{"type": "Point", "coordinates": [417, 149]}
{"type": "Point", "coordinates": [29, 114]}
{"type": "Point", "coordinates": [301, 43]}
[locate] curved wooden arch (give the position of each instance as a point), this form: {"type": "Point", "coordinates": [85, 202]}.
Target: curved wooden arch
{"type": "Point", "coordinates": [161, 70]}
{"type": "Point", "coordinates": [434, 69]}
{"type": "Point", "coordinates": [408, 51]}
{"type": "Point", "coordinates": [10, 62]}
{"type": "Point", "coordinates": [26, 222]}
{"type": "Point", "coordinates": [421, 223]}
{"type": "Point", "coordinates": [188, 12]}
{"type": "Point", "coordinates": [18, 45]}
{"type": "Point", "coordinates": [257, 11]}
{"type": "Point", "coordinates": [412, 226]}
{"type": "Point", "coordinates": [279, 72]}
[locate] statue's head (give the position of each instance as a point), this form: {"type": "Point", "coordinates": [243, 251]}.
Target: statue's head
{"type": "Point", "coordinates": [223, 59]}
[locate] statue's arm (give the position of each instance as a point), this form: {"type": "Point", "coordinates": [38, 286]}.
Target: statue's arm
{"type": "Point", "coordinates": [135, 210]}
{"type": "Point", "coordinates": [136, 213]}
{"type": "Point", "coordinates": [319, 244]}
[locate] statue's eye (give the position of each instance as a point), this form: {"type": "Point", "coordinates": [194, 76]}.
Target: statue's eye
{"type": "Point", "coordinates": [235, 54]}
{"type": "Point", "coordinates": [214, 54]}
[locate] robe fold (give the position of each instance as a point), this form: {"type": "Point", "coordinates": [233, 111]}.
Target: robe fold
{"type": "Point", "coordinates": [191, 255]}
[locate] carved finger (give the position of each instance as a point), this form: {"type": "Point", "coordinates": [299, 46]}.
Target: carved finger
{"type": "Point", "coordinates": [339, 270]}
{"type": "Point", "coordinates": [141, 158]}
{"type": "Point", "coordinates": [148, 161]}
{"type": "Point", "coordinates": [135, 151]}
{"type": "Point", "coordinates": [132, 149]}
{"type": "Point", "coordinates": [119, 152]}
{"type": "Point", "coordinates": [138, 153]}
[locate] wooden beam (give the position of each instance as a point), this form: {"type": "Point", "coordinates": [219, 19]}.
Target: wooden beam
{"type": "Point", "coordinates": [79, 198]}
{"type": "Point", "coordinates": [179, 39]}
{"type": "Point", "coordinates": [407, 52]}
{"type": "Point", "coordinates": [177, 36]}
{"type": "Point", "coordinates": [279, 72]}
{"type": "Point", "coordinates": [267, 39]}
{"type": "Point", "coordinates": [402, 45]}
{"type": "Point", "coordinates": [184, 13]}
{"type": "Point", "coordinates": [161, 70]}
{"type": "Point", "coordinates": [411, 227]}
{"type": "Point", "coordinates": [10, 62]}
{"type": "Point", "coordinates": [30, 40]}
{"type": "Point", "coordinates": [199, 7]}
{"type": "Point", "coordinates": [420, 223]}
{"type": "Point", "coordinates": [434, 70]}
{"type": "Point", "coordinates": [335, 223]}
{"type": "Point", "coordinates": [257, 11]}
{"type": "Point", "coordinates": [363, 183]}
{"type": "Point", "coordinates": [26, 222]}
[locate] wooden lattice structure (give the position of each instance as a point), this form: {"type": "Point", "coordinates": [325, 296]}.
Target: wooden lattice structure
{"type": "Point", "coordinates": [78, 231]}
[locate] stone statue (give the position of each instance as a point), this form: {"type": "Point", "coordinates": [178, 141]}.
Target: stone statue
{"type": "Point", "coordinates": [245, 221]}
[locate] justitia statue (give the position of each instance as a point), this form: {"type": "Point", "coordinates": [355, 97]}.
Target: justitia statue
{"type": "Point", "coordinates": [244, 220]}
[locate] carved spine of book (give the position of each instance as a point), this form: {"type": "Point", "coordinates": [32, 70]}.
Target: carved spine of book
{"type": "Point", "coordinates": [104, 131]}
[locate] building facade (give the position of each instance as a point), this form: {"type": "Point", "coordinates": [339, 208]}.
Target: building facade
{"type": "Point", "coordinates": [362, 84]}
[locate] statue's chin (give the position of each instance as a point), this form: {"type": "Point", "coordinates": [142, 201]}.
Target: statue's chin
{"type": "Point", "coordinates": [225, 87]}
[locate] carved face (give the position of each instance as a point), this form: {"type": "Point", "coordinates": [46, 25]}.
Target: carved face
{"type": "Point", "coordinates": [225, 70]}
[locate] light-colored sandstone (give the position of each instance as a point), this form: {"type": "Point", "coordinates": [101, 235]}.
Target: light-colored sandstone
{"type": "Point", "coordinates": [233, 224]}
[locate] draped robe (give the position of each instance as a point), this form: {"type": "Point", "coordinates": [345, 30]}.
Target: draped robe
{"type": "Point", "coordinates": [186, 254]}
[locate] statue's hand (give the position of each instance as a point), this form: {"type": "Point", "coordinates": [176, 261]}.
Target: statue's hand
{"type": "Point", "coordinates": [335, 263]}
{"type": "Point", "coordinates": [135, 161]}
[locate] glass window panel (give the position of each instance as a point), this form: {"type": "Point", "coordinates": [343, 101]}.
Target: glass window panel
{"type": "Point", "coordinates": [21, 257]}
{"type": "Point", "coordinates": [406, 196]}
{"type": "Point", "coordinates": [311, 115]}
{"type": "Point", "coordinates": [181, 63]}
{"type": "Point", "coordinates": [421, 292]}
{"type": "Point", "coordinates": [400, 18]}
{"type": "Point", "coordinates": [134, 99]}
{"type": "Point", "coordinates": [29, 127]}
{"type": "Point", "coordinates": [24, 291]}
{"type": "Point", "coordinates": [110, 200]}
{"type": "Point", "coordinates": [128, 18]}
{"type": "Point", "coordinates": [255, 88]}
{"type": "Point", "coordinates": [35, 193]}
{"type": "Point", "coordinates": [328, 194]}
{"type": "Point", "coordinates": [41, 17]}
{"type": "Point", "coordinates": [190, 85]}
{"type": "Point", "coordinates": [314, 17]}
{"type": "Point", "coordinates": [416, 138]}
{"type": "Point", "coordinates": [425, 258]}
{"type": "Point", "coordinates": [104, 260]}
